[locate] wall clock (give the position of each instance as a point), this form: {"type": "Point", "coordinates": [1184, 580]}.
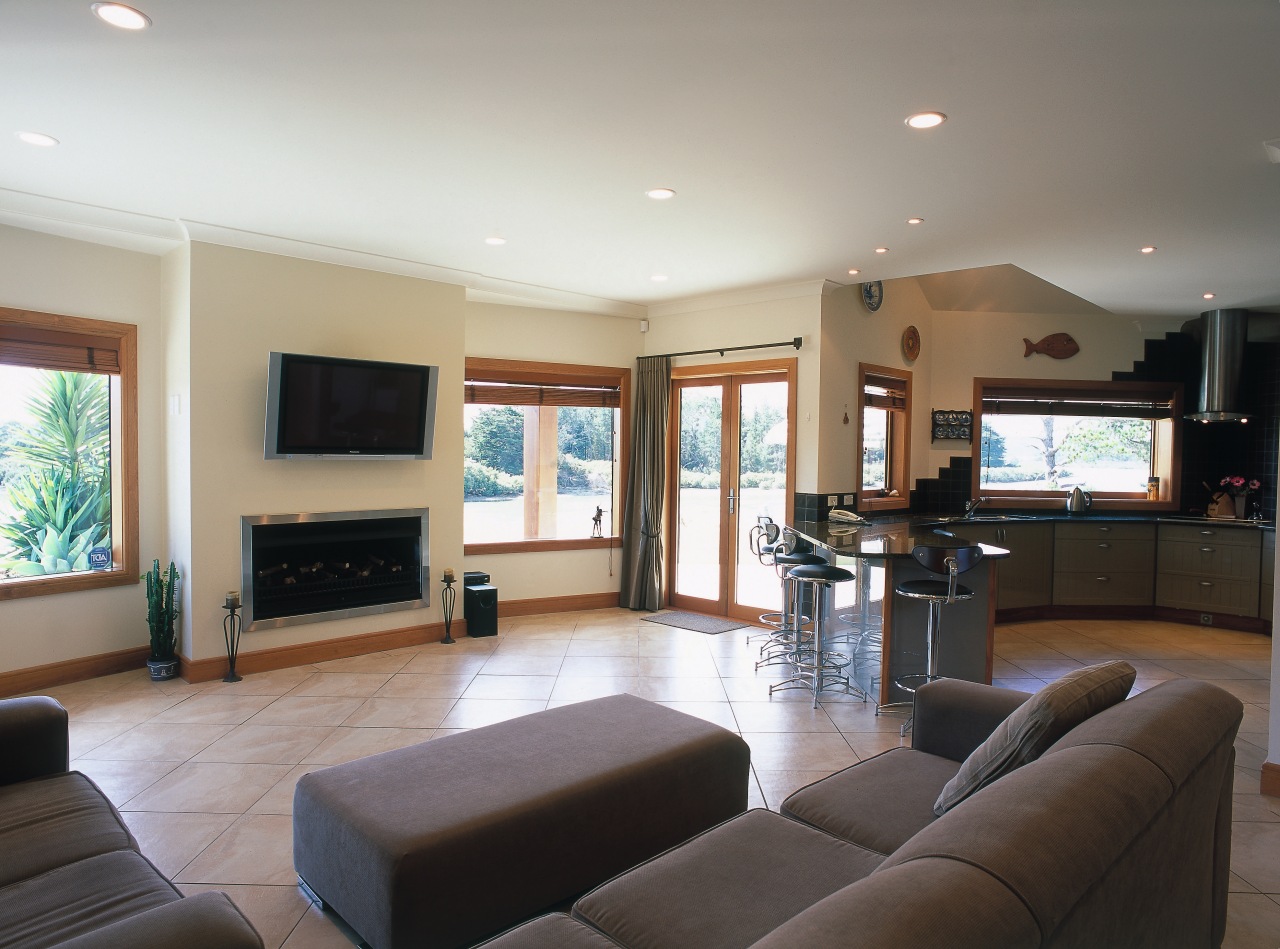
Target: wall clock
{"type": "Point", "coordinates": [873, 294]}
{"type": "Point", "coordinates": [911, 342]}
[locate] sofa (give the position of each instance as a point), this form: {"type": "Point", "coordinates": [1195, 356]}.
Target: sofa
{"type": "Point", "coordinates": [1115, 831]}
{"type": "Point", "coordinates": [71, 875]}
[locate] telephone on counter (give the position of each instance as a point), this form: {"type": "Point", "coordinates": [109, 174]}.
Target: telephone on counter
{"type": "Point", "coordinates": [845, 517]}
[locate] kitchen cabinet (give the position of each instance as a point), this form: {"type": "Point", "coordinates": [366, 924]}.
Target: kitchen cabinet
{"type": "Point", "coordinates": [1026, 578]}
{"type": "Point", "coordinates": [1266, 595]}
{"type": "Point", "coordinates": [1097, 564]}
{"type": "Point", "coordinates": [1210, 568]}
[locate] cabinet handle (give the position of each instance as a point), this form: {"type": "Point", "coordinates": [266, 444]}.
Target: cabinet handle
{"type": "Point", "coordinates": [1206, 583]}
{"type": "Point", "coordinates": [1104, 546]}
{"type": "Point", "coordinates": [1207, 533]}
{"type": "Point", "coordinates": [1103, 579]}
{"type": "Point", "coordinates": [1207, 550]}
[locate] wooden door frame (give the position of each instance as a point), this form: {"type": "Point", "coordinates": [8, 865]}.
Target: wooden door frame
{"type": "Point", "coordinates": [726, 371]}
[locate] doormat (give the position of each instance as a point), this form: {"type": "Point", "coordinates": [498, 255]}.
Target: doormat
{"type": "Point", "coordinates": [695, 621]}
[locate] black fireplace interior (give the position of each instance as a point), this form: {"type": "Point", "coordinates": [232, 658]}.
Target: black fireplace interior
{"type": "Point", "coordinates": [307, 567]}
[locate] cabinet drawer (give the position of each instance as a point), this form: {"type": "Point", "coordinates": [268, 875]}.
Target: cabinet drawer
{"type": "Point", "coordinates": [1212, 533]}
{"type": "Point", "coordinates": [1100, 553]}
{"type": "Point", "coordinates": [1210, 558]}
{"type": "Point", "coordinates": [1102, 588]}
{"type": "Point", "coordinates": [1078, 530]}
{"type": "Point", "coordinates": [1239, 597]}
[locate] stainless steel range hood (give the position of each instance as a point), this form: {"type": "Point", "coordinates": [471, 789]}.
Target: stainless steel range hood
{"type": "Point", "coordinates": [1222, 338]}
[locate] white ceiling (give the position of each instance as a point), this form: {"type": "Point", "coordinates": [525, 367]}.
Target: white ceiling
{"type": "Point", "coordinates": [1079, 131]}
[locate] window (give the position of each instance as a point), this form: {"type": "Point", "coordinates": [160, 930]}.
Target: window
{"type": "Point", "coordinates": [884, 438]}
{"type": "Point", "coordinates": [544, 454]}
{"type": "Point", "coordinates": [68, 454]}
{"type": "Point", "coordinates": [1039, 440]}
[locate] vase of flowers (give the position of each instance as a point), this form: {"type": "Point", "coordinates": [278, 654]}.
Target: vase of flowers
{"type": "Point", "coordinates": [1240, 488]}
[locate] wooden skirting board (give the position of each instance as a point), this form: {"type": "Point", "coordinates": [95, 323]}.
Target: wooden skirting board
{"type": "Point", "coordinates": [1270, 779]}
{"type": "Point", "coordinates": [281, 657]}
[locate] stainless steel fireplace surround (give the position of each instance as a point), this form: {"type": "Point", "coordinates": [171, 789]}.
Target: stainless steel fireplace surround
{"type": "Point", "coordinates": [306, 568]}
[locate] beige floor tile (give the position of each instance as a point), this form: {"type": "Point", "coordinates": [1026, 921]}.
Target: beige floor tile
{"type": "Point", "coordinates": [1253, 691]}
{"type": "Point", "coordinates": [537, 633]}
{"type": "Point", "coordinates": [1236, 885]}
{"type": "Point", "coordinates": [307, 710]}
{"type": "Point", "coordinates": [279, 799]}
{"type": "Point", "coordinates": [266, 744]}
{"type": "Point", "coordinates": [320, 930]}
{"type": "Point", "coordinates": [613, 646]}
{"type": "Point", "coordinates": [1249, 755]}
{"type": "Point", "coordinates": [374, 662]}
{"type": "Point", "coordinates": [578, 666]}
{"type": "Point", "coordinates": [276, 682]}
{"type": "Point", "coordinates": [778, 751]}
{"type": "Point", "coordinates": [1254, 849]}
{"type": "Point", "coordinates": [256, 849]}
{"type": "Point", "coordinates": [343, 683]}
{"type": "Point", "coordinates": [446, 663]}
{"type": "Point", "coordinates": [1021, 683]}
{"type": "Point", "coordinates": [1158, 651]}
{"type": "Point", "coordinates": [1046, 669]}
{"type": "Point", "coordinates": [83, 737]}
{"type": "Point", "coordinates": [777, 786]}
{"type": "Point", "coordinates": [209, 787]}
{"type": "Point", "coordinates": [869, 744]}
{"type": "Point", "coordinates": [400, 713]}
{"type": "Point", "coordinates": [781, 717]}
{"type": "Point", "coordinates": [1248, 805]}
{"type": "Point", "coordinates": [415, 686]}
{"type": "Point", "coordinates": [116, 707]}
{"type": "Point", "coordinates": [347, 744]}
{"type": "Point", "coordinates": [607, 633]}
{"type": "Point", "coordinates": [514, 646]}
{"type": "Point", "coordinates": [510, 687]}
{"type": "Point", "coordinates": [160, 742]}
{"type": "Point", "coordinates": [1253, 922]}
{"type": "Point", "coordinates": [681, 689]}
{"type": "Point", "coordinates": [1204, 669]}
{"type": "Point", "coordinates": [475, 713]}
{"type": "Point", "coordinates": [581, 688]}
{"type": "Point", "coordinates": [672, 648]}
{"type": "Point", "coordinates": [121, 780]}
{"type": "Point", "coordinates": [718, 713]}
{"type": "Point", "coordinates": [523, 665]}
{"type": "Point", "coordinates": [755, 796]}
{"type": "Point", "coordinates": [274, 911]}
{"type": "Point", "coordinates": [852, 717]}
{"type": "Point", "coordinates": [749, 688]}
{"type": "Point", "coordinates": [171, 841]}
{"type": "Point", "coordinates": [216, 709]}
{"type": "Point", "coordinates": [681, 667]}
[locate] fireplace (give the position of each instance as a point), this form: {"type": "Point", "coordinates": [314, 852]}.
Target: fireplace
{"type": "Point", "coordinates": [304, 568]}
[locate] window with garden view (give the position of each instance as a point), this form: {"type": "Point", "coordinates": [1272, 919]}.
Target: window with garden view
{"type": "Point", "coordinates": [543, 448]}
{"type": "Point", "coordinates": [1112, 439]}
{"type": "Point", "coordinates": [68, 485]}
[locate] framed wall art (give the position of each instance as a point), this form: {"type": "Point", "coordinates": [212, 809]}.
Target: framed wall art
{"type": "Point", "coordinates": [952, 424]}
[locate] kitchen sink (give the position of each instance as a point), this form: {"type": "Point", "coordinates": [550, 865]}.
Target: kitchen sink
{"type": "Point", "coordinates": [987, 519]}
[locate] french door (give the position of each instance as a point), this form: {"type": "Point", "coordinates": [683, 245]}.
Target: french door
{"type": "Point", "coordinates": [731, 461]}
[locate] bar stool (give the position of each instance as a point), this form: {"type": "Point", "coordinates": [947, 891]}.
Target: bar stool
{"type": "Point", "coordinates": [948, 562]}
{"type": "Point", "coordinates": [815, 668]}
{"type": "Point", "coordinates": [788, 640]}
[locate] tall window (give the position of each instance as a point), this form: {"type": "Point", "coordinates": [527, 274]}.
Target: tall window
{"type": "Point", "coordinates": [884, 434]}
{"type": "Point", "coordinates": [543, 452]}
{"type": "Point", "coordinates": [1116, 440]}
{"type": "Point", "coordinates": [68, 454]}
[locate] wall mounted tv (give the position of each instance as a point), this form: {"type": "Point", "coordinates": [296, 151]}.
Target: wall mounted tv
{"type": "Point", "coordinates": [325, 407]}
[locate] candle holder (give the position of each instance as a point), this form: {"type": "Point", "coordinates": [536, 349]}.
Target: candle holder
{"type": "Point", "coordinates": [447, 598]}
{"type": "Point", "coordinates": [231, 626]}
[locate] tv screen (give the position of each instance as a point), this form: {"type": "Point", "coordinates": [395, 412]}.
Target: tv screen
{"type": "Point", "coordinates": [325, 407]}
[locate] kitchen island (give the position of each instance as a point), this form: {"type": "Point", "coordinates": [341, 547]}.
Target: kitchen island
{"type": "Point", "coordinates": [885, 635]}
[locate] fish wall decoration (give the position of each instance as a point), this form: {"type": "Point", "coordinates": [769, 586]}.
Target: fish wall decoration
{"type": "Point", "coordinates": [1057, 346]}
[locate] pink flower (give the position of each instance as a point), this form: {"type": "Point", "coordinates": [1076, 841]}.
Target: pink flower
{"type": "Point", "coordinates": [1237, 481]}
{"type": "Point", "coordinates": [1254, 484]}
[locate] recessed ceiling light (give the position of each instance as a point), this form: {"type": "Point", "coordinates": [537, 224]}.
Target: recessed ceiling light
{"type": "Point", "coordinates": [1149, 249]}
{"type": "Point", "coordinates": [495, 241]}
{"type": "Point", "coordinates": [117, 14]}
{"type": "Point", "coordinates": [658, 277]}
{"type": "Point", "coordinates": [38, 138]}
{"type": "Point", "coordinates": [1210, 296]}
{"type": "Point", "coordinates": [854, 272]}
{"type": "Point", "coordinates": [660, 194]}
{"type": "Point", "coordinates": [926, 120]}
{"type": "Point", "coordinates": [882, 250]}
{"type": "Point", "coordinates": [915, 220]}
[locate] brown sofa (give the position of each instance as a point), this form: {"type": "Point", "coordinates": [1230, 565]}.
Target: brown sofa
{"type": "Point", "coordinates": [71, 875]}
{"type": "Point", "coordinates": [1118, 835]}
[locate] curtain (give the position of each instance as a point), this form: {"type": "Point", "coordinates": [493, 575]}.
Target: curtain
{"type": "Point", "coordinates": [642, 514]}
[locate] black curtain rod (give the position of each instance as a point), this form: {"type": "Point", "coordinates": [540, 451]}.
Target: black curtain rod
{"type": "Point", "coordinates": [734, 349]}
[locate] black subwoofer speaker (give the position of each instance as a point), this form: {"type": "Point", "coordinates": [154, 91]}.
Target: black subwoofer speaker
{"type": "Point", "coordinates": [480, 609]}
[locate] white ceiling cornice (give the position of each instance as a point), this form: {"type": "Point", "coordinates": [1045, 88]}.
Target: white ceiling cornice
{"type": "Point", "coordinates": [716, 301]}
{"type": "Point", "coordinates": [86, 222]}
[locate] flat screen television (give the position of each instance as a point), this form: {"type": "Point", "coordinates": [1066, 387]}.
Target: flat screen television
{"type": "Point", "coordinates": [326, 407]}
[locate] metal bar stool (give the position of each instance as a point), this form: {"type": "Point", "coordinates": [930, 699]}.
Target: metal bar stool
{"type": "Point", "coordinates": [948, 562]}
{"type": "Point", "coordinates": [788, 640]}
{"type": "Point", "coordinates": [815, 667]}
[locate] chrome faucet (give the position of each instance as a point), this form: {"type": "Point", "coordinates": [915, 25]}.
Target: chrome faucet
{"type": "Point", "coordinates": [971, 506]}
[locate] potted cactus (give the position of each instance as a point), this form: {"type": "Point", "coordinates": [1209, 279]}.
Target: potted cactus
{"type": "Point", "coordinates": [162, 616]}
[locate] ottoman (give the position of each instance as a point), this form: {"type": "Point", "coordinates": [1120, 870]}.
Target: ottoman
{"type": "Point", "coordinates": [446, 842]}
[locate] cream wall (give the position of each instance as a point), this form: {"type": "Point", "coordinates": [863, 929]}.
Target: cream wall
{"type": "Point", "coordinates": [244, 304]}
{"type": "Point", "coordinates": [57, 275]}
{"type": "Point", "coordinates": [497, 331]}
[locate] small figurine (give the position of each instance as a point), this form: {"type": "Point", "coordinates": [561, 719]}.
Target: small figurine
{"type": "Point", "coordinates": [596, 530]}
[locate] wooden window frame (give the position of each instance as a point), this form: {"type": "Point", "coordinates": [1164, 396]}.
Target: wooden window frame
{"type": "Point", "coordinates": [530, 373]}
{"type": "Point", "coordinates": [898, 462]}
{"type": "Point", "coordinates": [1166, 448]}
{"type": "Point", "coordinates": [21, 327]}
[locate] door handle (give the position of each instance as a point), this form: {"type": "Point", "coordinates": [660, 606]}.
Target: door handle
{"type": "Point", "coordinates": [732, 498]}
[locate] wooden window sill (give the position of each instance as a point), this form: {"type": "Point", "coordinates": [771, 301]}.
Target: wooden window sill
{"type": "Point", "coordinates": [538, 545]}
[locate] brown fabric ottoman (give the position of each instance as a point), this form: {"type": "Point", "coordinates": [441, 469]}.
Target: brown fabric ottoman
{"type": "Point", "coordinates": [446, 842]}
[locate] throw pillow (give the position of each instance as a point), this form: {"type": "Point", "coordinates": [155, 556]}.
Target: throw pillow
{"type": "Point", "coordinates": [1036, 724]}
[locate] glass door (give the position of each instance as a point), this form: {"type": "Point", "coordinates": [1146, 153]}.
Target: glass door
{"type": "Point", "coordinates": [732, 464]}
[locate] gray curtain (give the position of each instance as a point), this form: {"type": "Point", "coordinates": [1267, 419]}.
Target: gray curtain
{"type": "Point", "coordinates": [646, 481]}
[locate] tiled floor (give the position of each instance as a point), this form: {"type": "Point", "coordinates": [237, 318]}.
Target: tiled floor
{"type": "Point", "coordinates": [204, 774]}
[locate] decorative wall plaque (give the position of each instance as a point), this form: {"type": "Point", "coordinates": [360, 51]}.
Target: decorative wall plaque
{"type": "Point", "coordinates": [952, 423]}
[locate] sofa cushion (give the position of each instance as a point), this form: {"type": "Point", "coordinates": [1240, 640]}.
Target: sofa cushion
{"type": "Point", "coordinates": [80, 897]}
{"type": "Point", "coordinates": [725, 888]}
{"type": "Point", "coordinates": [50, 821]}
{"type": "Point", "coordinates": [554, 931]}
{"type": "Point", "coordinates": [1036, 724]}
{"type": "Point", "coordinates": [879, 803]}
